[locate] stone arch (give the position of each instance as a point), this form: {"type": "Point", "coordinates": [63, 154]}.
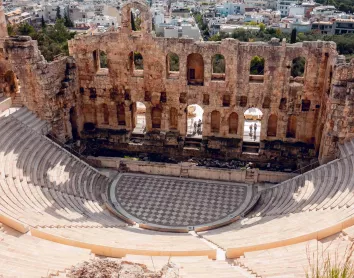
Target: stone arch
{"type": "Point", "coordinates": [194, 121]}
{"type": "Point", "coordinates": [173, 118]}
{"type": "Point", "coordinates": [252, 125]}
{"type": "Point", "coordinates": [96, 60]}
{"type": "Point", "coordinates": [121, 114]}
{"type": "Point", "coordinates": [218, 67]}
{"type": "Point", "coordinates": [195, 69]}
{"type": "Point", "coordinates": [103, 60]}
{"type": "Point", "coordinates": [156, 116]}
{"type": "Point", "coordinates": [12, 83]}
{"type": "Point", "coordinates": [138, 117]}
{"type": "Point", "coordinates": [172, 65]}
{"type": "Point", "coordinates": [215, 121]}
{"type": "Point", "coordinates": [233, 123]}
{"type": "Point", "coordinates": [272, 125]}
{"type": "Point", "coordinates": [298, 67]}
{"type": "Point", "coordinates": [145, 15]}
{"type": "Point", "coordinates": [105, 113]}
{"type": "Point", "coordinates": [257, 65]}
{"type": "Point", "coordinates": [291, 128]}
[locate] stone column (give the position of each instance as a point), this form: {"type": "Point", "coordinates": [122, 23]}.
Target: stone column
{"type": "Point", "coordinates": [3, 25]}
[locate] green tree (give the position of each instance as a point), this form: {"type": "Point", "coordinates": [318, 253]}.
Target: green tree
{"type": "Point", "coordinates": [67, 21]}
{"type": "Point", "coordinates": [293, 36]}
{"type": "Point", "coordinates": [257, 65]}
{"type": "Point", "coordinates": [43, 24]}
{"type": "Point", "coordinates": [25, 29]}
{"type": "Point", "coordinates": [58, 13]}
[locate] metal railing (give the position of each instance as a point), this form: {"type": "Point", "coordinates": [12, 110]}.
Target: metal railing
{"type": "Point", "coordinates": [307, 168]}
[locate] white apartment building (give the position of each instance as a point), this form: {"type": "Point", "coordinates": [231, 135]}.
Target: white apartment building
{"type": "Point", "coordinates": [284, 6]}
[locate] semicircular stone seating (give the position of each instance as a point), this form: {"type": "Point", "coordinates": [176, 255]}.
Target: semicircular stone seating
{"type": "Point", "coordinates": [314, 205]}
{"type": "Point", "coordinates": [53, 195]}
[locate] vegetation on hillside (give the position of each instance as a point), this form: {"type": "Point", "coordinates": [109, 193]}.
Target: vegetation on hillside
{"type": "Point", "coordinates": [342, 5]}
{"type": "Point", "coordinates": [345, 43]}
{"type": "Point", "coordinates": [52, 39]}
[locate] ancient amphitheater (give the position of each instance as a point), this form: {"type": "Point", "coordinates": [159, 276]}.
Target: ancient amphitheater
{"type": "Point", "coordinates": [59, 208]}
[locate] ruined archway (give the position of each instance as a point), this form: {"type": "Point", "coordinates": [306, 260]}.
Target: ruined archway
{"type": "Point", "coordinates": [194, 121]}
{"type": "Point", "coordinates": [121, 114]}
{"type": "Point", "coordinates": [215, 121]}
{"type": "Point", "coordinates": [173, 118]}
{"type": "Point", "coordinates": [73, 122]}
{"type": "Point", "coordinates": [272, 125]}
{"type": "Point", "coordinates": [233, 123]}
{"type": "Point", "coordinates": [139, 118]}
{"type": "Point", "coordinates": [136, 17]}
{"type": "Point", "coordinates": [252, 125]}
{"type": "Point", "coordinates": [105, 113]}
{"type": "Point", "coordinates": [195, 69]}
{"type": "Point", "coordinates": [172, 65]}
{"type": "Point", "coordinates": [156, 115]}
{"type": "Point", "coordinates": [291, 128]}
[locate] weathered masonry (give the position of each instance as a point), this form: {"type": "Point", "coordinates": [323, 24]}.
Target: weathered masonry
{"type": "Point", "coordinates": [132, 92]}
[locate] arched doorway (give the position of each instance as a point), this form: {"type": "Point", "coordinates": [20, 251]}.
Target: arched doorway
{"type": "Point", "coordinates": [252, 127]}
{"type": "Point", "coordinates": [139, 118]}
{"type": "Point", "coordinates": [73, 122]}
{"type": "Point", "coordinates": [194, 121]}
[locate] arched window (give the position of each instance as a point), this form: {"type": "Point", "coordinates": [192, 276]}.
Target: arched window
{"type": "Point", "coordinates": [218, 67]}
{"type": "Point", "coordinates": [291, 129]}
{"type": "Point", "coordinates": [195, 69]}
{"type": "Point", "coordinates": [282, 105]}
{"type": "Point", "coordinates": [105, 113]}
{"type": "Point", "coordinates": [233, 123]}
{"type": "Point", "coordinates": [173, 118]}
{"type": "Point", "coordinates": [156, 114]}
{"type": "Point", "coordinates": [73, 122]}
{"type": "Point", "coordinates": [257, 69]}
{"type": "Point", "coordinates": [103, 60]}
{"type": "Point", "coordinates": [272, 125]}
{"type": "Point", "coordinates": [298, 67]}
{"type": "Point", "coordinates": [121, 114]}
{"type": "Point", "coordinates": [215, 121]}
{"type": "Point", "coordinates": [266, 103]}
{"type": "Point", "coordinates": [11, 86]}
{"type": "Point", "coordinates": [305, 105]}
{"type": "Point", "coordinates": [136, 19]}
{"type": "Point", "coordinates": [96, 60]}
{"type": "Point", "coordinates": [172, 60]}
{"type": "Point", "coordinates": [136, 62]}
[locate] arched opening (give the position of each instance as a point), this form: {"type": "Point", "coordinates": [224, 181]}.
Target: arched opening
{"type": "Point", "coordinates": [136, 61]}
{"type": "Point", "coordinates": [139, 118]}
{"type": "Point", "coordinates": [298, 67]}
{"type": "Point", "coordinates": [233, 123]}
{"type": "Point", "coordinates": [243, 101]}
{"type": "Point", "coordinates": [291, 128]}
{"type": "Point", "coordinates": [272, 125]}
{"type": "Point", "coordinates": [12, 83]}
{"type": "Point", "coordinates": [195, 69]}
{"type": "Point", "coordinates": [252, 126]}
{"type": "Point", "coordinates": [226, 100]}
{"type": "Point", "coordinates": [218, 67]}
{"type": "Point", "coordinates": [305, 105]}
{"type": "Point", "coordinates": [266, 103]}
{"type": "Point", "coordinates": [121, 114]}
{"type": "Point", "coordinates": [136, 20]}
{"type": "Point", "coordinates": [103, 60]}
{"type": "Point", "coordinates": [215, 122]}
{"type": "Point", "coordinates": [194, 121]}
{"type": "Point", "coordinates": [156, 114]}
{"type": "Point", "coordinates": [172, 60]}
{"type": "Point", "coordinates": [173, 118]}
{"type": "Point", "coordinates": [73, 122]}
{"type": "Point", "coordinates": [257, 69]}
{"type": "Point", "coordinates": [105, 113]}
{"type": "Point", "coordinates": [96, 60]}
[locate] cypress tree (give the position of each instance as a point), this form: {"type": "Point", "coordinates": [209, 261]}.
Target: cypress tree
{"type": "Point", "coordinates": [293, 36]}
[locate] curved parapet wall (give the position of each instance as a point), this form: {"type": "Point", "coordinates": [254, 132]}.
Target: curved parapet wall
{"type": "Point", "coordinates": [179, 204]}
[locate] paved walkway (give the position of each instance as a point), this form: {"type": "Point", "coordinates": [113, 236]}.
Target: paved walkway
{"type": "Point", "coordinates": [177, 202]}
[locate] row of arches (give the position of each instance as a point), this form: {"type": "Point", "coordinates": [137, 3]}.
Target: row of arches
{"type": "Point", "coordinates": [252, 117]}
{"type": "Point", "coordinates": [195, 65]}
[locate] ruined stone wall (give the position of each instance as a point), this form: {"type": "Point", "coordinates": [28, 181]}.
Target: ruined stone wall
{"type": "Point", "coordinates": [274, 93]}
{"type": "Point", "coordinates": [44, 88]}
